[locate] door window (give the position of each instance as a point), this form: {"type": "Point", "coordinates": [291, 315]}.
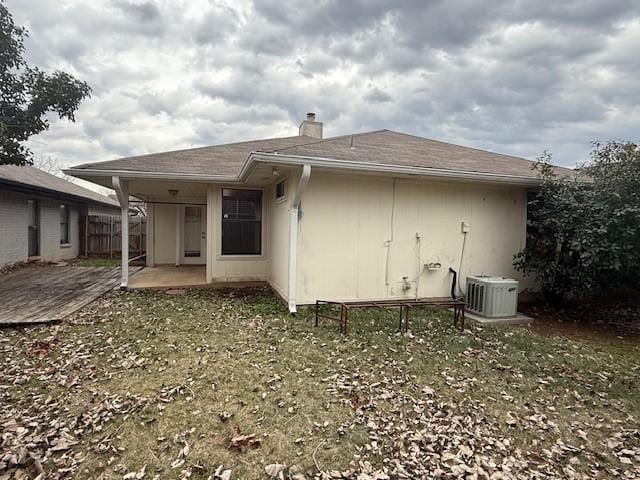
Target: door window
{"type": "Point", "coordinates": [192, 226]}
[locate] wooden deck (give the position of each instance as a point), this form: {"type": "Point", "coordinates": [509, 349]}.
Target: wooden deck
{"type": "Point", "coordinates": [40, 294]}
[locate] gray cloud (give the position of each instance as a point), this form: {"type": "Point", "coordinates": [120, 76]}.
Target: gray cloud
{"type": "Point", "coordinates": [144, 12]}
{"type": "Point", "coordinates": [377, 95]}
{"type": "Point", "coordinates": [515, 76]}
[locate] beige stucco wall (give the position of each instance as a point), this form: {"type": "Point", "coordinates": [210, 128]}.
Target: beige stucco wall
{"type": "Point", "coordinates": [278, 239]}
{"type": "Point", "coordinates": [358, 235]}
{"type": "Point", "coordinates": [164, 234]}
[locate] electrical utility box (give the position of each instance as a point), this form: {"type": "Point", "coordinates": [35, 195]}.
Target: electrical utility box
{"type": "Point", "coordinates": [492, 296]}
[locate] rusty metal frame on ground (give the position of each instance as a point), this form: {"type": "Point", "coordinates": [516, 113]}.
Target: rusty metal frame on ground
{"type": "Point", "coordinates": [404, 306]}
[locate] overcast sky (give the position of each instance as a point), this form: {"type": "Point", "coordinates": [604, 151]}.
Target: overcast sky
{"type": "Point", "coordinates": [516, 77]}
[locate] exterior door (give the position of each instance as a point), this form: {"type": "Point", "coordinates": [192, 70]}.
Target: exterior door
{"type": "Point", "coordinates": [194, 234]}
{"type": "Point", "coordinates": [34, 229]}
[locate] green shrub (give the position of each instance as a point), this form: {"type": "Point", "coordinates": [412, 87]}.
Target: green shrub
{"type": "Point", "coordinates": [584, 231]}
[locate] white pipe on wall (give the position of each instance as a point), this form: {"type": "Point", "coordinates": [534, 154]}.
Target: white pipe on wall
{"type": "Point", "coordinates": [294, 218]}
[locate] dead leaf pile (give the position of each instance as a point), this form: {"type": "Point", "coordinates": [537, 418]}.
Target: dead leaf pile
{"type": "Point", "coordinates": [414, 434]}
{"type": "Point", "coordinates": [39, 433]}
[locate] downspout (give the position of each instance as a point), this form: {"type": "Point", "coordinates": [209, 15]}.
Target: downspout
{"type": "Point", "coordinates": [294, 219]}
{"type": "Point", "coordinates": [122, 191]}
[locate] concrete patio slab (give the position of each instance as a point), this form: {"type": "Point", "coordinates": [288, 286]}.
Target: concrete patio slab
{"type": "Point", "coordinates": [163, 277]}
{"type": "Point", "coordinates": [169, 276]}
{"type": "Point", "coordinates": [518, 319]}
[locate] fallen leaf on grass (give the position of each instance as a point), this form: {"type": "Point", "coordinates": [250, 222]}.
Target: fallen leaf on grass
{"type": "Point", "coordinates": [275, 470]}
{"type": "Point", "coordinates": [243, 441]}
{"type": "Point", "coordinates": [221, 474]}
{"type": "Point", "coordinates": [282, 471]}
{"type": "Point", "coordinates": [136, 475]}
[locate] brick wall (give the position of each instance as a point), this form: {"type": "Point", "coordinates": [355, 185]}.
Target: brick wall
{"type": "Point", "coordinates": [14, 218]}
{"type": "Point", "coordinates": [14, 212]}
{"type": "Point", "coordinates": [50, 246]}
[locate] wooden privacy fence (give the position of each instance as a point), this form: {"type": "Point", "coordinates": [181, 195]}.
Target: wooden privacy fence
{"type": "Point", "coordinates": [101, 236]}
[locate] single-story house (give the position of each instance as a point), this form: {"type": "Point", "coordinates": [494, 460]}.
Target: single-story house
{"type": "Point", "coordinates": [39, 214]}
{"type": "Point", "coordinates": [373, 215]}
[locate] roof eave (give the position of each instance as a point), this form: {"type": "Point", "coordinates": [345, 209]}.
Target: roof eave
{"type": "Point", "coordinates": [86, 173]}
{"type": "Point", "coordinates": [51, 193]}
{"type": "Point", "coordinates": [333, 163]}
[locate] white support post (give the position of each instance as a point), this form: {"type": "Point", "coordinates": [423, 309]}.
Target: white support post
{"type": "Point", "coordinates": [178, 232]}
{"type": "Point", "coordinates": [294, 218]}
{"type": "Point", "coordinates": [151, 220]}
{"type": "Point", "coordinates": [122, 191]}
{"type": "Point", "coordinates": [210, 254]}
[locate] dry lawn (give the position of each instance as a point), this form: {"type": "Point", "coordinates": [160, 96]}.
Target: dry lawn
{"type": "Point", "coordinates": [209, 384]}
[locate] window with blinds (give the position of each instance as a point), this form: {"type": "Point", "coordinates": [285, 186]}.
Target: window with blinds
{"type": "Point", "coordinates": [241, 222]}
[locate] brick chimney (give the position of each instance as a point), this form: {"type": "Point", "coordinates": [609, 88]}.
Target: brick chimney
{"type": "Point", "coordinates": [310, 127]}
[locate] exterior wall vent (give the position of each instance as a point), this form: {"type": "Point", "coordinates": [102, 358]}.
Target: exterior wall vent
{"type": "Point", "coordinates": [492, 296]}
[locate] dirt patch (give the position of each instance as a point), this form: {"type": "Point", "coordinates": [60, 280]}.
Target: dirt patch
{"type": "Point", "coordinates": [606, 334]}
{"type": "Point", "coordinates": [604, 321]}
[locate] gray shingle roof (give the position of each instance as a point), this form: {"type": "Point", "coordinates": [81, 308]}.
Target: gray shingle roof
{"type": "Point", "coordinates": [36, 178]}
{"type": "Point", "coordinates": [215, 160]}
{"type": "Point", "coordinates": [393, 148]}
{"type": "Point", "coordinates": [382, 147]}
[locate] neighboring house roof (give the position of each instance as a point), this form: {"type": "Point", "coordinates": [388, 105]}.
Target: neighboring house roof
{"type": "Point", "coordinates": [34, 179]}
{"type": "Point", "coordinates": [382, 148]}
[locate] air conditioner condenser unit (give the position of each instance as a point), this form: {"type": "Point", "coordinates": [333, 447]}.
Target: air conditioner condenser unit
{"type": "Point", "coordinates": [492, 296]}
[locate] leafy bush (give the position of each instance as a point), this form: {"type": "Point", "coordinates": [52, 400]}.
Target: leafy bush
{"type": "Point", "coordinates": [584, 231]}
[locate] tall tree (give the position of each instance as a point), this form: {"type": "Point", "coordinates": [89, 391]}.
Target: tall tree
{"type": "Point", "coordinates": [27, 94]}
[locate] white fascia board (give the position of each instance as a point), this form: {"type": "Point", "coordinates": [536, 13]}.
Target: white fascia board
{"type": "Point", "coordinates": [130, 174]}
{"type": "Point", "coordinates": [392, 169]}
